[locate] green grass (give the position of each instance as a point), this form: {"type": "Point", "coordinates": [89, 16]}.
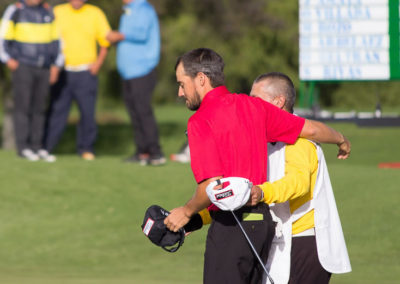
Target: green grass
{"type": "Point", "coordinates": [79, 222]}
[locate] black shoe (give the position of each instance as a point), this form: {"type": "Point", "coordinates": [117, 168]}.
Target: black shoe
{"type": "Point", "coordinates": [141, 159]}
{"type": "Point", "coordinates": [157, 160]}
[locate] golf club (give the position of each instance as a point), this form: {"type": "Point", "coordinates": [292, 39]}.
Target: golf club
{"type": "Point", "coordinates": [252, 247]}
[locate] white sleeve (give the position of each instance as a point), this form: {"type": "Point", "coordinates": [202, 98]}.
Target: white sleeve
{"type": "Point", "coordinates": [5, 23]}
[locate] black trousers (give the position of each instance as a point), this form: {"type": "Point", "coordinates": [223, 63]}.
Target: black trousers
{"type": "Point", "coordinates": [82, 88]}
{"type": "Point", "coordinates": [228, 257]}
{"type": "Point", "coordinates": [31, 89]}
{"type": "Point", "coordinates": [305, 267]}
{"type": "Point", "coordinates": [137, 94]}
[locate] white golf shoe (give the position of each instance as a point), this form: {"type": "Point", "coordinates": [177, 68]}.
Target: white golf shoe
{"type": "Point", "coordinates": [46, 156]}
{"type": "Point", "coordinates": [29, 155]}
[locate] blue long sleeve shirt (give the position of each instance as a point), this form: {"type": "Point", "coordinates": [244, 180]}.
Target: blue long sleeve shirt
{"type": "Point", "coordinates": [139, 53]}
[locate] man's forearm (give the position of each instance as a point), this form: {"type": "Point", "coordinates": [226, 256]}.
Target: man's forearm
{"type": "Point", "coordinates": [115, 36]}
{"type": "Point", "coordinates": [181, 215]}
{"type": "Point", "coordinates": [321, 133]}
{"type": "Point", "coordinates": [102, 56]}
{"type": "Point", "coordinates": [200, 200]}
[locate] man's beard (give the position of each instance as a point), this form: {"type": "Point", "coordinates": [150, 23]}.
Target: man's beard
{"type": "Point", "coordinates": [194, 102]}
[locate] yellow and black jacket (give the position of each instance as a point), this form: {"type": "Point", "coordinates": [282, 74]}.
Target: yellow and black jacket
{"type": "Point", "coordinates": [29, 34]}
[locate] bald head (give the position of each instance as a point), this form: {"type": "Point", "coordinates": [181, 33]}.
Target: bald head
{"type": "Point", "coordinates": [275, 88]}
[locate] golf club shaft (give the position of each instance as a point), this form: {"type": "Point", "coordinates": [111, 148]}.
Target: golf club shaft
{"type": "Point", "coordinates": [252, 247]}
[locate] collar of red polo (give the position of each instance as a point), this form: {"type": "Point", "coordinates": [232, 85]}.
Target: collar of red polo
{"type": "Point", "coordinates": [214, 93]}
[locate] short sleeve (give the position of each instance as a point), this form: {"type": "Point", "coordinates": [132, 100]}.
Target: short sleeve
{"type": "Point", "coordinates": [205, 160]}
{"type": "Point", "coordinates": [103, 27]}
{"type": "Point", "coordinates": [282, 126]}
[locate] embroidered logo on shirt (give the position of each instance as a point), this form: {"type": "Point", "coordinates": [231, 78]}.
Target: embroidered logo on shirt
{"type": "Point", "coordinates": [127, 11]}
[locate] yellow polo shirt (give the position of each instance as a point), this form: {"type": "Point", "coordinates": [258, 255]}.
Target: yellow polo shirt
{"type": "Point", "coordinates": [81, 30]}
{"type": "Point", "coordinates": [297, 186]}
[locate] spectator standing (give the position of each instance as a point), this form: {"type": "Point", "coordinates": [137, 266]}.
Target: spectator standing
{"type": "Point", "coordinates": [183, 156]}
{"type": "Point", "coordinates": [82, 27]}
{"type": "Point", "coordinates": [30, 47]}
{"type": "Point", "coordinates": [138, 54]}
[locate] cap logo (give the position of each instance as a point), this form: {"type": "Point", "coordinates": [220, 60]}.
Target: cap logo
{"type": "Point", "coordinates": [223, 195]}
{"type": "Point", "coordinates": [165, 213]}
{"type": "Point", "coordinates": [148, 226]}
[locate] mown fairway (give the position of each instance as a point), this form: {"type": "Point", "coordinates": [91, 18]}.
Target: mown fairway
{"type": "Point", "coordinates": [79, 222]}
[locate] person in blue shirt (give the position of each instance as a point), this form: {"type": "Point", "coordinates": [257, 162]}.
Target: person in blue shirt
{"type": "Point", "coordinates": [138, 54]}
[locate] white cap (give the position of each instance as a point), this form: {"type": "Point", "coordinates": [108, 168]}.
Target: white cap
{"type": "Point", "coordinates": [234, 194]}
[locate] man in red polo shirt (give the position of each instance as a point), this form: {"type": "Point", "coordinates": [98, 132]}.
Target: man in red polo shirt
{"type": "Point", "coordinates": [228, 136]}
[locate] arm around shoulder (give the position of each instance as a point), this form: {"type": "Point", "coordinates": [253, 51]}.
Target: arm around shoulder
{"type": "Point", "coordinates": [321, 133]}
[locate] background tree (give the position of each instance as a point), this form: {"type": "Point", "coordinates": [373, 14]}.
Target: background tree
{"type": "Point", "coordinates": [253, 36]}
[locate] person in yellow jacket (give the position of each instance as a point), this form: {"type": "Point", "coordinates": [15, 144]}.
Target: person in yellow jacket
{"type": "Point", "coordinates": [83, 27]}
{"type": "Point", "coordinates": [30, 48]}
{"type": "Point", "coordinates": [309, 245]}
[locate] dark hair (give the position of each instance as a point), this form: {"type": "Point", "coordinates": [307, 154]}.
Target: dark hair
{"type": "Point", "coordinates": [282, 85]}
{"type": "Point", "coordinates": [204, 60]}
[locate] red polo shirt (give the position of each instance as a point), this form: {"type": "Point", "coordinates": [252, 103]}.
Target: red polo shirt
{"type": "Point", "coordinates": [228, 135]}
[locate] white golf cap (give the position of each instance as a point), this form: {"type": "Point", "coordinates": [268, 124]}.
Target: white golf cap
{"type": "Point", "coordinates": [234, 194]}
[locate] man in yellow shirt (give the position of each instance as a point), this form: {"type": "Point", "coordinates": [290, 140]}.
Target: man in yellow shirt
{"type": "Point", "coordinates": [82, 28]}
{"type": "Point", "coordinates": [294, 173]}
{"type": "Point", "coordinates": [299, 192]}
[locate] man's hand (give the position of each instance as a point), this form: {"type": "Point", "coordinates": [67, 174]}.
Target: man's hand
{"type": "Point", "coordinates": [114, 36]}
{"type": "Point", "coordinates": [94, 69]}
{"type": "Point", "coordinates": [344, 149]}
{"type": "Point", "coordinates": [12, 64]}
{"type": "Point", "coordinates": [178, 218]}
{"type": "Point", "coordinates": [318, 132]}
{"type": "Point", "coordinates": [256, 195]}
{"type": "Point", "coordinates": [54, 72]}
